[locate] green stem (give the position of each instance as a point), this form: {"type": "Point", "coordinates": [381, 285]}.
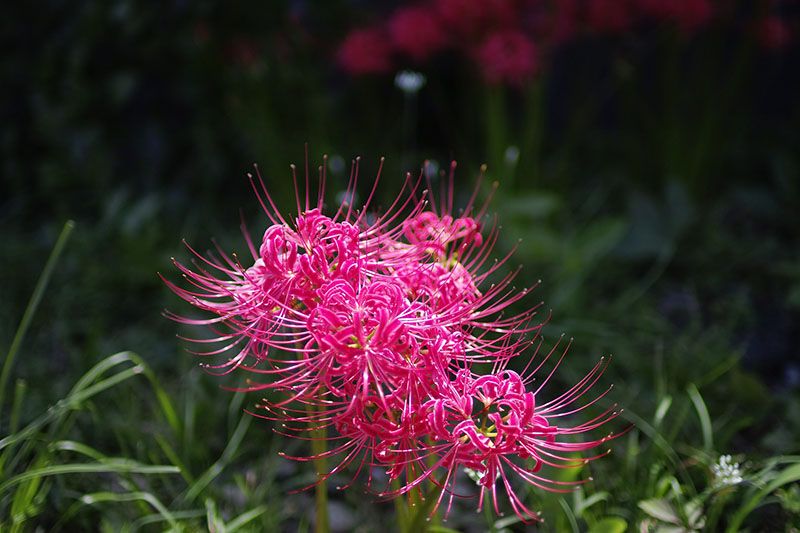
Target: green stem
{"type": "Point", "coordinates": [318, 448]}
{"type": "Point", "coordinates": [531, 148]}
{"type": "Point", "coordinates": [496, 128]}
{"type": "Point", "coordinates": [420, 519]}
{"type": "Point", "coordinates": [33, 304]}
{"type": "Point", "coordinates": [490, 518]}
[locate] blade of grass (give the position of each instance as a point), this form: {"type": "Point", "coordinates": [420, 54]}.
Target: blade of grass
{"type": "Point", "coordinates": [241, 520]}
{"type": "Point", "coordinates": [157, 517]}
{"type": "Point", "coordinates": [69, 403]}
{"type": "Point", "coordinates": [172, 455]}
{"type": "Point", "coordinates": [100, 497]}
{"type": "Point", "coordinates": [112, 466]}
{"type": "Point", "coordinates": [19, 395]}
{"type": "Point", "coordinates": [573, 522]}
{"type": "Point", "coordinates": [789, 475]}
{"type": "Point", "coordinates": [227, 454]}
{"type": "Point", "coordinates": [161, 396]}
{"type": "Point", "coordinates": [213, 521]}
{"type": "Point", "coordinates": [702, 414]}
{"type": "Point", "coordinates": [663, 444]}
{"type": "Point", "coordinates": [77, 447]}
{"type": "Point", "coordinates": [33, 304]}
{"type": "Point", "coordinates": [22, 504]}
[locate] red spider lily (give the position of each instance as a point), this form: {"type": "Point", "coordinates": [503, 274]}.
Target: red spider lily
{"type": "Point", "coordinates": [508, 56]}
{"type": "Point", "coordinates": [417, 32]}
{"type": "Point", "coordinates": [687, 15]}
{"type": "Point", "coordinates": [773, 33]}
{"type": "Point", "coordinates": [471, 18]}
{"type": "Point", "coordinates": [494, 426]}
{"type": "Point", "coordinates": [365, 51]}
{"type": "Point", "coordinates": [369, 326]}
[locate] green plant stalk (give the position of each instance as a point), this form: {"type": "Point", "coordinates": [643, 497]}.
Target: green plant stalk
{"type": "Point", "coordinates": [715, 510]}
{"type": "Point", "coordinates": [531, 148]}
{"type": "Point", "coordinates": [409, 128]}
{"type": "Point", "coordinates": [19, 397]}
{"type": "Point", "coordinates": [721, 98]}
{"type": "Point", "coordinates": [318, 449]}
{"type": "Point", "coordinates": [671, 104]}
{"type": "Point", "coordinates": [488, 514]}
{"type": "Point", "coordinates": [33, 304]}
{"type": "Point", "coordinates": [420, 519]}
{"type": "Point", "coordinates": [496, 128]}
{"type": "Point", "coordinates": [400, 510]}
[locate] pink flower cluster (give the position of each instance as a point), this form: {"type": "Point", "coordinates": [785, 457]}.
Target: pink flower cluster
{"type": "Point", "coordinates": [394, 334]}
{"type": "Point", "coordinates": [510, 40]}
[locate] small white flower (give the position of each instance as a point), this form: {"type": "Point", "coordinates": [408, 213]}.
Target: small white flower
{"type": "Point", "coordinates": [726, 472]}
{"type": "Point", "coordinates": [409, 82]}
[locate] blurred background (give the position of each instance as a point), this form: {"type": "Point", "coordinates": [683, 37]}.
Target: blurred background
{"type": "Point", "coordinates": [646, 153]}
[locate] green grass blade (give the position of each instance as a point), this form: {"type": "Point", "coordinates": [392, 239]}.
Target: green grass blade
{"type": "Point", "coordinates": [790, 474]}
{"type": "Point", "coordinates": [94, 373]}
{"type": "Point", "coordinates": [67, 404]}
{"type": "Point", "coordinates": [161, 396]}
{"type": "Point", "coordinates": [19, 396]}
{"type": "Point", "coordinates": [662, 443]}
{"type": "Point", "coordinates": [33, 304]}
{"type": "Point", "coordinates": [245, 518]}
{"type": "Point", "coordinates": [573, 522]}
{"type": "Point", "coordinates": [213, 520]}
{"type": "Point", "coordinates": [77, 447]}
{"type": "Point", "coordinates": [22, 504]}
{"type": "Point", "coordinates": [172, 455]}
{"type": "Point", "coordinates": [112, 466]}
{"type": "Point", "coordinates": [158, 517]}
{"type": "Point", "coordinates": [661, 411]}
{"type": "Point", "coordinates": [214, 470]}
{"type": "Point", "coordinates": [702, 414]}
{"type": "Point", "coordinates": [100, 497]}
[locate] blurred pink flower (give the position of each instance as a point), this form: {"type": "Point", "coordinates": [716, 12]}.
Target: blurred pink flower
{"type": "Point", "coordinates": [243, 51]}
{"type": "Point", "coordinates": [609, 16]}
{"type": "Point", "coordinates": [365, 51]}
{"type": "Point", "coordinates": [687, 15]}
{"type": "Point", "coordinates": [773, 33]}
{"type": "Point", "coordinates": [417, 32]}
{"type": "Point", "coordinates": [471, 18]}
{"type": "Point", "coordinates": [508, 57]}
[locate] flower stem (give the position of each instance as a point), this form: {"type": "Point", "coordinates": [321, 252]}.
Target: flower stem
{"type": "Point", "coordinates": [318, 449]}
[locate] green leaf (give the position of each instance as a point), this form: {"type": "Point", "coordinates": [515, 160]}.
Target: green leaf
{"type": "Point", "coordinates": [584, 504]}
{"type": "Point", "coordinates": [660, 510]}
{"type": "Point", "coordinates": [609, 524]}
{"type": "Point", "coordinates": [441, 529]}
